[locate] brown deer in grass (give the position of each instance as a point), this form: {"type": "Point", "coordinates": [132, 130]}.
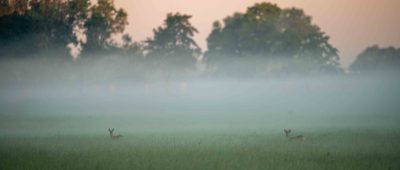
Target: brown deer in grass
{"type": "Point", "coordinates": [112, 134]}
{"type": "Point", "coordinates": [298, 137]}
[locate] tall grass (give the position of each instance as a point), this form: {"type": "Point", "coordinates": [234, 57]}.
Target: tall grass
{"type": "Point", "coordinates": [334, 149]}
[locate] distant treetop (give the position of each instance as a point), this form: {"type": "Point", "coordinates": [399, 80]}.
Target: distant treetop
{"type": "Point", "coordinates": [265, 34]}
{"type": "Point", "coordinates": [375, 58]}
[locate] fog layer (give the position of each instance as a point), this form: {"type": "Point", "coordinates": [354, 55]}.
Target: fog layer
{"type": "Point", "coordinates": [73, 97]}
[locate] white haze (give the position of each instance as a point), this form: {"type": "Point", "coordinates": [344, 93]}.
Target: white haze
{"type": "Point", "coordinates": [90, 96]}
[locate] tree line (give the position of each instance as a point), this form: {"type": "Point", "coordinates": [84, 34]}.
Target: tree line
{"type": "Point", "coordinates": [264, 39]}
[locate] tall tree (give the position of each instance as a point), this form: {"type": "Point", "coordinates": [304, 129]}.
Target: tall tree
{"type": "Point", "coordinates": [104, 21]}
{"type": "Point", "coordinates": [16, 31]}
{"type": "Point", "coordinates": [131, 48]}
{"type": "Point", "coordinates": [8, 7]}
{"type": "Point", "coordinates": [172, 46]}
{"type": "Point", "coordinates": [267, 38]}
{"type": "Point", "coordinates": [375, 58]}
{"type": "Point", "coordinates": [41, 26]}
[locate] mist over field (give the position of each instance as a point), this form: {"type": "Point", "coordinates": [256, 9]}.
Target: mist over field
{"type": "Point", "coordinates": [270, 91]}
{"type": "Point", "coordinates": [82, 98]}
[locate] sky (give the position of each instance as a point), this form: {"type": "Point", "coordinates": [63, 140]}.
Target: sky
{"type": "Point", "coordinates": [352, 25]}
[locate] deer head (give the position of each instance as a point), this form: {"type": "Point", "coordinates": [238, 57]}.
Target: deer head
{"type": "Point", "coordinates": [111, 131]}
{"type": "Point", "coordinates": [287, 131]}
{"type": "Point", "coordinates": [112, 135]}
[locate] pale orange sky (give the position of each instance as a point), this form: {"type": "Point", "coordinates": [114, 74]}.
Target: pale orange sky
{"type": "Point", "coordinates": [351, 24]}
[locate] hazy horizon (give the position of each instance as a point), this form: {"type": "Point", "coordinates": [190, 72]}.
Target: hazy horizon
{"type": "Point", "coordinates": [352, 25]}
{"type": "Point", "coordinates": [270, 93]}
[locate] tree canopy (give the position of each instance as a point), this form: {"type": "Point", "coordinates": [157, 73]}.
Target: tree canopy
{"type": "Point", "coordinates": [267, 34]}
{"type": "Point", "coordinates": [54, 25]}
{"type": "Point", "coordinates": [172, 45]}
{"type": "Point", "coordinates": [264, 39]}
{"type": "Point", "coordinates": [104, 21]}
{"type": "Point", "coordinates": [40, 26]}
{"type": "Point", "coordinates": [375, 58]}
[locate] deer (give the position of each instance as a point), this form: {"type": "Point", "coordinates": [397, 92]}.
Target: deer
{"type": "Point", "coordinates": [112, 134]}
{"type": "Point", "coordinates": [292, 138]}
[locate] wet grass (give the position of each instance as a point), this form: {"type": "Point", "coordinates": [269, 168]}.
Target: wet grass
{"type": "Point", "coordinates": [333, 149]}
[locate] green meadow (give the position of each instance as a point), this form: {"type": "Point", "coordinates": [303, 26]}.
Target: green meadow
{"type": "Point", "coordinates": [347, 124]}
{"type": "Point", "coordinates": [84, 143]}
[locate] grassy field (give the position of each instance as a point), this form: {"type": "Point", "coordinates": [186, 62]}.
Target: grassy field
{"type": "Point", "coordinates": [211, 126]}
{"type": "Point", "coordinates": [331, 149]}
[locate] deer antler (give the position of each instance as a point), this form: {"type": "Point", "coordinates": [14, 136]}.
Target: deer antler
{"type": "Point", "coordinates": [287, 131]}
